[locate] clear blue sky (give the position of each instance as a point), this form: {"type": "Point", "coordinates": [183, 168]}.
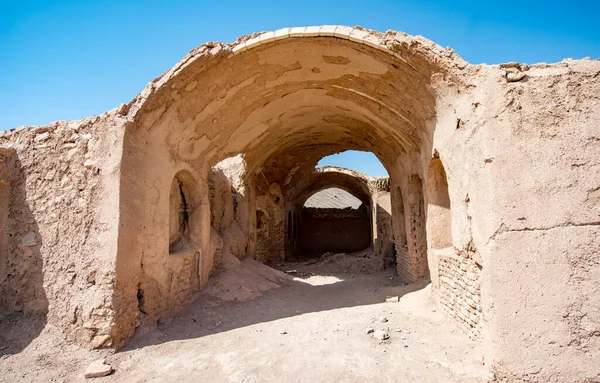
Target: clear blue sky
{"type": "Point", "coordinates": [365, 162]}
{"type": "Point", "coordinates": [65, 59]}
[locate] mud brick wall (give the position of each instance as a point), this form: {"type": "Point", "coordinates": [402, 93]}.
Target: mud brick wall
{"type": "Point", "coordinates": [459, 293]}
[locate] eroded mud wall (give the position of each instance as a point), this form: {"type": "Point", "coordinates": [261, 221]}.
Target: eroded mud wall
{"type": "Point", "coordinates": [520, 148]}
{"type": "Point", "coordinates": [228, 207]}
{"type": "Point", "coordinates": [271, 236]}
{"type": "Point", "coordinates": [61, 225]}
{"type": "Point", "coordinates": [459, 289]}
{"type": "Point", "coordinates": [155, 280]}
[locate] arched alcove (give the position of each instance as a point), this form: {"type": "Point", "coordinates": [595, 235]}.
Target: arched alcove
{"type": "Point", "coordinates": [184, 225]}
{"type": "Point", "coordinates": [439, 217]}
{"type": "Point", "coordinates": [260, 220]}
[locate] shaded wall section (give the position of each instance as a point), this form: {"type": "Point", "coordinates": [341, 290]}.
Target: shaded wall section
{"type": "Point", "coordinates": [271, 224]}
{"type": "Point", "coordinates": [383, 242]}
{"type": "Point", "coordinates": [334, 230]}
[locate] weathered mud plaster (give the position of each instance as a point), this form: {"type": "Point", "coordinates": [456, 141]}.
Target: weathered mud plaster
{"type": "Point", "coordinates": [519, 146]}
{"type": "Point", "coordinates": [60, 230]}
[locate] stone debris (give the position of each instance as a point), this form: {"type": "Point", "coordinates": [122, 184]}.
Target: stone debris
{"type": "Point", "coordinates": [514, 76]}
{"type": "Point", "coordinates": [122, 109]}
{"type": "Point", "coordinates": [42, 137]}
{"type": "Point", "coordinates": [98, 369]}
{"type": "Point", "coordinates": [381, 334]}
{"type": "Point", "coordinates": [283, 332]}
{"type": "Point", "coordinates": [370, 330]}
{"type": "Point", "coordinates": [512, 64]}
{"type": "Point", "coordinates": [392, 299]}
{"type": "Point", "coordinates": [29, 239]}
{"type": "Point", "coordinates": [383, 319]}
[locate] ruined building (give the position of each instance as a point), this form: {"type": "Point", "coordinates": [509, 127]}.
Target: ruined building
{"type": "Point", "coordinates": [114, 221]}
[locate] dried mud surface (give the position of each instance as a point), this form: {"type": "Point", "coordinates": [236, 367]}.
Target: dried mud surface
{"type": "Point", "coordinates": [308, 325]}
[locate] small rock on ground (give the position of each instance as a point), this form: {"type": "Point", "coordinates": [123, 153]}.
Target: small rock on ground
{"type": "Point", "coordinates": [97, 369]}
{"type": "Point", "coordinates": [381, 335]}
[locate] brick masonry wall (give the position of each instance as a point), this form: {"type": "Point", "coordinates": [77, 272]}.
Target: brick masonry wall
{"type": "Point", "coordinates": [459, 293]}
{"type": "Point", "coordinates": [271, 237]}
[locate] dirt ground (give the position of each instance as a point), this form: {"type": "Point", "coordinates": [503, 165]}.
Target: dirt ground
{"type": "Point", "coordinates": [307, 325]}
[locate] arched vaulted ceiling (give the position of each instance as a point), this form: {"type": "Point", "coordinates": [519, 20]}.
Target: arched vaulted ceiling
{"type": "Point", "coordinates": [285, 99]}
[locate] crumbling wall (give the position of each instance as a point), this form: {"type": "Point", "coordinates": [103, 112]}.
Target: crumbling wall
{"type": "Point", "coordinates": [61, 227]}
{"type": "Point", "coordinates": [221, 212]}
{"type": "Point", "coordinates": [170, 276]}
{"type": "Point", "coordinates": [548, 226]}
{"type": "Point", "coordinates": [228, 211]}
{"type": "Point", "coordinates": [398, 223]}
{"type": "Point", "coordinates": [271, 237]}
{"type": "Point", "coordinates": [7, 170]}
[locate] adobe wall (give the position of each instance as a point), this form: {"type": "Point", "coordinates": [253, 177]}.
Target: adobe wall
{"type": "Point", "coordinates": [229, 210]}
{"type": "Point", "coordinates": [59, 250]}
{"type": "Point", "coordinates": [272, 236]}
{"type": "Point", "coordinates": [383, 242]}
{"type": "Point", "coordinates": [336, 230]}
{"type": "Point", "coordinates": [520, 148]}
{"type": "Point", "coordinates": [152, 281]}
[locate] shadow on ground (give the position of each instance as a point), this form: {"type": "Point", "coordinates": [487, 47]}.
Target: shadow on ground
{"type": "Point", "coordinates": [208, 315]}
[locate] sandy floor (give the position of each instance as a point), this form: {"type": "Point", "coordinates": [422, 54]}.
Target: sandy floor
{"type": "Point", "coordinates": [312, 329]}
